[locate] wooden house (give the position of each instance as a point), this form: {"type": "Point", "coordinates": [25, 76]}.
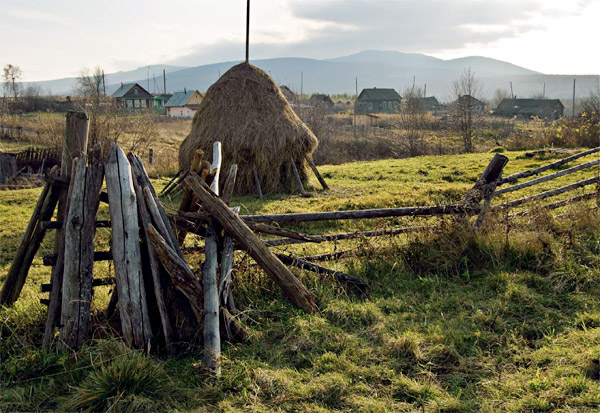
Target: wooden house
{"type": "Point", "coordinates": [548, 109]}
{"type": "Point", "coordinates": [377, 101]}
{"type": "Point", "coordinates": [133, 96]}
{"type": "Point", "coordinates": [468, 101]}
{"type": "Point", "coordinates": [183, 104]}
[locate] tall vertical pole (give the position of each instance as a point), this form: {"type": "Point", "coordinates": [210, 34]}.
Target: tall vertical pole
{"type": "Point", "coordinates": [544, 91]}
{"type": "Point", "coordinates": [248, 32]}
{"type": "Point", "coordinates": [574, 98]}
{"type": "Point", "coordinates": [165, 81]}
{"type": "Point", "coordinates": [103, 84]}
{"type": "Point", "coordinates": [148, 77]}
{"type": "Point", "coordinates": [512, 95]}
{"type": "Point", "coordinates": [301, 84]}
{"type": "Point", "coordinates": [425, 91]}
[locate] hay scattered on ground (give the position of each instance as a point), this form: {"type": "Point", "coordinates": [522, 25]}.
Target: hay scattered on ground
{"type": "Point", "coordinates": [258, 129]}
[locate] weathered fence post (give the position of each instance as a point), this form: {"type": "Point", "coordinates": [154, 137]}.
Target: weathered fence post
{"type": "Point", "coordinates": [491, 176]}
{"type": "Point", "coordinates": [122, 203]}
{"type": "Point", "coordinates": [212, 337]}
{"type": "Point", "coordinates": [80, 230]}
{"type": "Point", "coordinates": [74, 145]}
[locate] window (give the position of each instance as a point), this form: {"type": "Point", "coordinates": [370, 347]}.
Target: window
{"type": "Point", "coordinates": [144, 103]}
{"type": "Point", "coordinates": [135, 91]}
{"type": "Point", "coordinates": [136, 103]}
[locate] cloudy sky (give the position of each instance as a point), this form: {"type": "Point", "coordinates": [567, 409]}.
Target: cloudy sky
{"type": "Point", "coordinates": [57, 38]}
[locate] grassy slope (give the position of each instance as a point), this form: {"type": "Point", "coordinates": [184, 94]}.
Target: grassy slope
{"type": "Point", "coordinates": [452, 323]}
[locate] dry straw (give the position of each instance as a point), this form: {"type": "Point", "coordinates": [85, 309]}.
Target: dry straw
{"type": "Point", "coordinates": [246, 111]}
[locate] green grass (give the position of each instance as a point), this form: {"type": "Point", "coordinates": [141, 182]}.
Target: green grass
{"type": "Point", "coordinates": [498, 322]}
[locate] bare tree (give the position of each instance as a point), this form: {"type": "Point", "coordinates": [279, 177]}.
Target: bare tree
{"type": "Point", "coordinates": [412, 120]}
{"type": "Point", "coordinates": [466, 111]}
{"type": "Point", "coordinates": [89, 86]}
{"type": "Point", "coordinates": [499, 96]}
{"type": "Point", "coordinates": [11, 76]}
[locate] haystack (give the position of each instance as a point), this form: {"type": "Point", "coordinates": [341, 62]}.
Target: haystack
{"type": "Point", "coordinates": [246, 111]}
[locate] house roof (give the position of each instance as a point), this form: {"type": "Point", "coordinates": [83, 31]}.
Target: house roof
{"type": "Point", "coordinates": [515, 105]}
{"type": "Point", "coordinates": [125, 88]}
{"type": "Point", "coordinates": [429, 101]}
{"type": "Point", "coordinates": [179, 98]}
{"type": "Point", "coordinates": [379, 94]}
{"type": "Point", "coordinates": [468, 99]}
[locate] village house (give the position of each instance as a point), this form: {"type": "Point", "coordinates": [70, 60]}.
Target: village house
{"type": "Point", "coordinates": [377, 101]}
{"type": "Point", "coordinates": [468, 101]}
{"type": "Point", "coordinates": [429, 104]}
{"type": "Point", "coordinates": [548, 109]}
{"type": "Point", "coordinates": [133, 96]}
{"type": "Point", "coordinates": [183, 104]}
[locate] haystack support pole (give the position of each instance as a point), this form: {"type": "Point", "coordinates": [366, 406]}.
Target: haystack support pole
{"type": "Point", "coordinates": [211, 333]}
{"type": "Point", "coordinates": [317, 174]}
{"type": "Point", "coordinates": [257, 249]}
{"type": "Point", "coordinates": [74, 144]}
{"type": "Point", "coordinates": [248, 31]}
{"type": "Point", "coordinates": [297, 176]}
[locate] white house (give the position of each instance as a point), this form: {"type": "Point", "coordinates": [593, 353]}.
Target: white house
{"type": "Point", "coordinates": [183, 104]}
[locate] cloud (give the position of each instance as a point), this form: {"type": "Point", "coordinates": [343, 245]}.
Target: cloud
{"type": "Point", "coordinates": [36, 15]}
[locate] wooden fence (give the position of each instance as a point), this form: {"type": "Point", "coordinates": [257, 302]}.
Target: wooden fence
{"type": "Point", "coordinates": [155, 287]}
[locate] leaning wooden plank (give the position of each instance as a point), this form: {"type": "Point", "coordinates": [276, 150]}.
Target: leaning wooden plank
{"type": "Point", "coordinates": [182, 276]}
{"type": "Point", "coordinates": [10, 288]}
{"type": "Point", "coordinates": [316, 172]}
{"type": "Point", "coordinates": [140, 171]}
{"type": "Point", "coordinates": [547, 194]}
{"type": "Point", "coordinates": [547, 177]}
{"type": "Point", "coordinates": [74, 145]}
{"type": "Point", "coordinates": [135, 321]}
{"type": "Point", "coordinates": [297, 176]}
{"type": "Point", "coordinates": [79, 251]}
{"type": "Point", "coordinates": [159, 290]}
{"type": "Point", "coordinates": [553, 165]}
{"type": "Point", "coordinates": [338, 275]}
{"type": "Point", "coordinates": [240, 232]}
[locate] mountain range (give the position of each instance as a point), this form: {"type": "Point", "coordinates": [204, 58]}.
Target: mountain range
{"type": "Point", "coordinates": [371, 68]}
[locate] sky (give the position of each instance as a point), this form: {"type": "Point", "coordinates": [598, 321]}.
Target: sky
{"type": "Point", "coordinates": [51, 39]}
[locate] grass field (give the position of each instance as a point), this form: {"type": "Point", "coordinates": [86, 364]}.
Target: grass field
{"type": "Point", "coordinates": [508, 320]}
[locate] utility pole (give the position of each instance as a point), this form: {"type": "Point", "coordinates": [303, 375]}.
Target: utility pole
{"type": "Point", "coordinates": [165, 81]}
{"type": "Point", "coordinates": [425, 91]}
{"type": "Point", "coordinates": [248, 32]}
{"type": "Point", "coordinates": [301, 85]}
{"type": "Point", "coordinates": [103, 83]}
{"type": "Point", "coordinates": [512, 95]}
{"type": "Point", "coordinates": [356, 80]}
{"type": "Point", "coordinates": [574, 98]}
{"type": "Point", "coordinates": [544, 91]}
{"type": "Point", "coordinates": [148, 77]}
{"type": "Point", "coordinates": [414, 81]}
